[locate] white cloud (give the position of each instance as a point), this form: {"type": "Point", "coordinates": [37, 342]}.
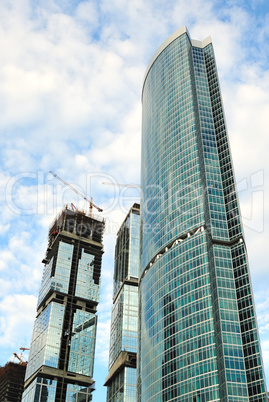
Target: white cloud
{"type": "Point", "coordinates": [17, 317]}
{"type": "Point", "coordinates": [70, 82]}
{"type": "Point", "coordinates": [7, 259]}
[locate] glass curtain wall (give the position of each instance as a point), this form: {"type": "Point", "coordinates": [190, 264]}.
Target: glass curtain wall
{"type": "Point", "coordinates": [198, 336]}
{"type": "Point", "coordinates": [121, 380]}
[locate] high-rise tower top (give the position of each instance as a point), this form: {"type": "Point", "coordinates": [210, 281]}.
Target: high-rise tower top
{"type": "Point", "coordinates": [181, 31]}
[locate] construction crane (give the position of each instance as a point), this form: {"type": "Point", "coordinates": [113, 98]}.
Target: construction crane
{"type": "Point", "coordinates": [18, 357]}
{"type": "Point", "coordinates": [22, 362]}
{"type": "Point", "coordinates": [76, 191]}
{"type": "Point", "coordinates": [23, 349]}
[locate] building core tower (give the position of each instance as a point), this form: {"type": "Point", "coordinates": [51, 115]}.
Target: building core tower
{"type": "Point", "coordinates": [62, 350]}
{"type": "Point", "coordinates": [121, 379]}
{"type": "Point", "coordinates": [198, 336]}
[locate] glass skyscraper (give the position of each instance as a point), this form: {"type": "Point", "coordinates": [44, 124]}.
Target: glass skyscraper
{"type": "Point", "coordinates": [198, 336]}
{"type": "Point", "coordinates": [121, 380]}
{"type": "Point", "coordinates": [62, 350]}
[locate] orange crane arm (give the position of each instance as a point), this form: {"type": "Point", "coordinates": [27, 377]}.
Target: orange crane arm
{"type": "Point", "coordinates": [18, 357]}
{"type": "Point", "coordinates": [76, 191]}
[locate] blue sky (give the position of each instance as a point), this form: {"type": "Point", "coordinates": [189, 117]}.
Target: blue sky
{"type": "Point", "coordinates": [71, 74]}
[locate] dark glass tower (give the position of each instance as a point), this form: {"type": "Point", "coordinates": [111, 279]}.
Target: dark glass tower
{"type": "Point", "coordinates": [121, 380]}
{"type": "Point", "coordinates": [62, 350]}
{"type": "Point", "coordinates": [198, 330]}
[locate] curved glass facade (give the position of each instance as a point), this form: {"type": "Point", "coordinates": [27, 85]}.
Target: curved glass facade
{"type": "Point", "coordinates": [193, 335]}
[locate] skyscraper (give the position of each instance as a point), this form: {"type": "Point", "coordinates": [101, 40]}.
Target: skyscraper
{"type": "Point", "coordinates": [121, 380]}
{"type": "Point", "coordinates": [62, 350]}
{"type": "Point", "coordinates": [198, 332]}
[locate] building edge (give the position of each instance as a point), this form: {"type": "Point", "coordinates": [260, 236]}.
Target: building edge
{"type": "Point", "coordinates": [181, 31]}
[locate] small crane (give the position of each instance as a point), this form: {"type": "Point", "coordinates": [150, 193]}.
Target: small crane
{"type": "Point", "coordinates": [22, 362]}
{"type": "Point", "coordinates": [80, 194]}
{"type": "Point", "coordinates": [23, 349]}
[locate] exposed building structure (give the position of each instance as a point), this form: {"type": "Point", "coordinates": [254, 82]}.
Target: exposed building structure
{"type": "Point", "coordinates": [121, 380]}
{"type": "Point", "coordinates": [11, 382]}
{"type": "Point", "coordinates": [198, 337]}
{"type": "Point", "coordinates": [62, 350]}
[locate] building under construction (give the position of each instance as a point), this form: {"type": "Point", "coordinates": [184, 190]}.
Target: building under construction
{"type": "Point", "coordinates": [62, 350]}
{"type": "Point", "coordinates": [11, 382]}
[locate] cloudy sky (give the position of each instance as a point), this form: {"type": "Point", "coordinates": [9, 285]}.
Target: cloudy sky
{"type": "Point", "coordinates": [71, 74]}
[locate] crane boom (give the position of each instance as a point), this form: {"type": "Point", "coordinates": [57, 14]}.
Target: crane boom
{"type": "Point", "coordinates": [76, 191]}
{"type": "Point", "coordinates": [18, 357]}
{"type": "Point", "coordinates": [121, 185]}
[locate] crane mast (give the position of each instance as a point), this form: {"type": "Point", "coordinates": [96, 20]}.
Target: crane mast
{"type": "Point", "coordinates": [20, 357]}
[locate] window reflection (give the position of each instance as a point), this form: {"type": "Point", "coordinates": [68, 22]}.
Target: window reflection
{"type": "Point", "coordinates": [85, 286]}
{"type": "Point", "coordinates": [82, 344]}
